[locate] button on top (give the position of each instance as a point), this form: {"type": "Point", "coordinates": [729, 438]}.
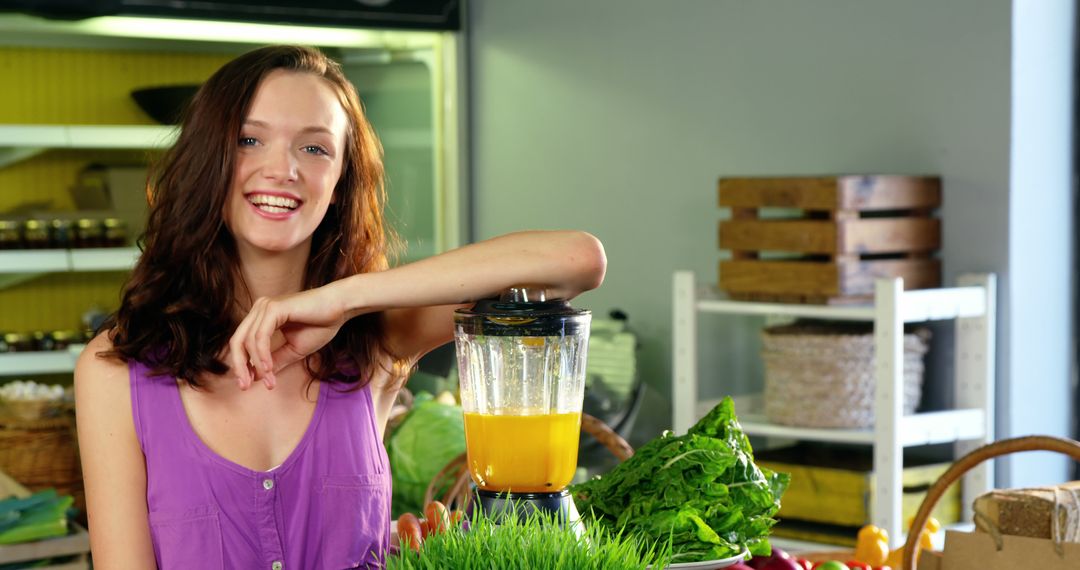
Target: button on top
{"type": "Point", "coordinates": [277, 565]}
{"type": "Point", "coordinates": [269, 484]}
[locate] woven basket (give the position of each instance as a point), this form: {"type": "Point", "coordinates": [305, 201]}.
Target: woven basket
{"type": "Point", "coordinates": [31, 409]}
{"type": "Point", "coordinates": [823, 375]}
{"type": "Point", "coordinates": [42, 453]}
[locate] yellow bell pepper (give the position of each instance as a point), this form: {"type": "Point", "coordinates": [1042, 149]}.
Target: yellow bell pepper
{"type": "Point", "coordinates": [872, 545]}
{"type": "Point", "coordinates": [896, 557]}
{"type": "Point", "coordinates": [932, 526]}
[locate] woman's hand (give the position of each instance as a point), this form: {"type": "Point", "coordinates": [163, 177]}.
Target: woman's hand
{"type": "Point", "coordinates": [279, 331]}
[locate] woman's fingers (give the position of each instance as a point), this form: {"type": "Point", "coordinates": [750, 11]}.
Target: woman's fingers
{"type": "Point", "coordinates": [251, 342]}
{"type": "Point", "coordinates": [279, 332]}
{"type": "Point", "coordinates": [257, 341]}
{"type": "Point", "coordinates": [238, 355]}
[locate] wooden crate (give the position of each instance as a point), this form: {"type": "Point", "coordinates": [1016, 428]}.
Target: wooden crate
{"type": "Point", "coordinates": [843, 233]}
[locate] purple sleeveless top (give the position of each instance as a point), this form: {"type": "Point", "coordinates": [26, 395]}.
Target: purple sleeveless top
{"type": "Point", "coordinates": [327, 506]}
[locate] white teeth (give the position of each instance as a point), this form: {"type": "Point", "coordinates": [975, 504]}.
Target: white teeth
{"type": "Point", "coordinates": [273, 203]}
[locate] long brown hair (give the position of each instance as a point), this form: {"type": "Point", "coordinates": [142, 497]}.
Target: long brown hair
{"type": "Point", "coordinates": [179, 307]}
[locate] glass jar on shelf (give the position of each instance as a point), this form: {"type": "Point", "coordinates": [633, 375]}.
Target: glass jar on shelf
{"type": "Point", "coordinates": [62, 339]}
{"type": "Point", "coordinates": [115, 232]}
{"type": "Point", "coordinates": [63, 233]}
{"type": "Point", "coordinates": [10, 235]}
{"type": "Point", "coordinates": [43, 340]}
{"type": "Point", "coordinates": [19, 342]}
{"type": "Point", "coordinates": [36, 234]}
{"type": "Point", "coordinates": [89, 232]}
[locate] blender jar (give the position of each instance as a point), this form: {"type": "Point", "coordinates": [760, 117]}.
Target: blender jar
{"type": "Point", "coordinates": [521, 360]}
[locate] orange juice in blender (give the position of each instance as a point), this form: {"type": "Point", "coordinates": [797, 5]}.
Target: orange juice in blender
{"type": "Point", "coordinates": [522, 453]}
{"type": "Point", "coordinates": [521, 363]}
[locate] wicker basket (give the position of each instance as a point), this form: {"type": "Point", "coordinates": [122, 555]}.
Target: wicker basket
{"type": "Point", "coordinates": [42, 453]}
{"type": "Point", "coordinates": [31, 409]}
{"type": "Point", "coordinates": [823, 375]}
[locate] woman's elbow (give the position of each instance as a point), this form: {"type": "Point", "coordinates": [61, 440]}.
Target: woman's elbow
{"type": "Point", "coordinates": [592, 260]}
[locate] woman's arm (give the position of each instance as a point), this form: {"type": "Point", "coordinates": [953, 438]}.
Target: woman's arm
{"type": "Point", "coordinates": [564, 263]}
{"type": "Point", "coordinates": [417, 299]}
{"type": "Point", "coordinates": [114, 470]}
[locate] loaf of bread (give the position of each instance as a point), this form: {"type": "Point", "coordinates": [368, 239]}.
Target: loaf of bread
{"type": "Point", "coordinates": [1032, 512]}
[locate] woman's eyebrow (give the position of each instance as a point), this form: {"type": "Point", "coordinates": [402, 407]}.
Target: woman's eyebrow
{"type": "Point", "coordinates": [311, 129]}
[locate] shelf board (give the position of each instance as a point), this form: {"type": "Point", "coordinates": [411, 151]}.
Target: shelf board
{"type": "Point", "coordinates": [916, 306]}
{"type": "Point", "coordinates": [20, 142]}
{"type": "Point", "coordinates": [721, 305]}
{"type": "Point", "coordinates": [34, 261]}
{"type": "Point", "coordinates": [55, 260]}
{"type": "Point", "coordinates": [44, 362]}
{"type": "Point", "coordinates": [916, 429]}
{"type": "Point", "coordinates": [103, 259]}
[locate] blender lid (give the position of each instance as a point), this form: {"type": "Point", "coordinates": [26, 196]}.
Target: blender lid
{"type": "Point", "coordinates": [524, 311]}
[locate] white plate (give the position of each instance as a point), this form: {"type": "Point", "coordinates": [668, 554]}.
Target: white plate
{"type": "Point", "coordinates": [709, 564]}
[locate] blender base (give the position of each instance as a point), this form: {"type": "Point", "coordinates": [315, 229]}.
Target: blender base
{"type": "Point", "coordinates": [560, 505]}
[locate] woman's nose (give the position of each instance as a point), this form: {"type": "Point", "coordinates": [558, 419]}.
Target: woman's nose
{"type": "Point", "coordinates": [280, 165]}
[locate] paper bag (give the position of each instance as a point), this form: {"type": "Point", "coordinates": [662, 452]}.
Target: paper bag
{"type": "Point", "coordinates": [978, 551]}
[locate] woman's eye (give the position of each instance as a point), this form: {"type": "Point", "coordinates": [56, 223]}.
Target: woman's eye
{"type": "Point", "coordinates": [248, 141]}
{"type": "Point", "coordinates": [315, 149]}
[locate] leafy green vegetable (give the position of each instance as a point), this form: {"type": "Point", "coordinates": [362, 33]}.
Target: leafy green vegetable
{"type": "Point", "coordinates": [40, 516]}
{"type": "Point", "coordinates": [701, 489]}
{"type": "Point", "coordinates": [528, 543]}
{"type": "Point", "coordinates": [428, 438]}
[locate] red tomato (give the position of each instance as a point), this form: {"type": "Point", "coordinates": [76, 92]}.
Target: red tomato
{"type": "Point", "coordinates": [856, 565]}
{"type": "Point", "coordinates": [409, 533]}
{"type": "Point", "coordinates": [437, 515]}
{"type": "Point", "coordinates": [806, 564]}
{"type": "Point", "coordinates": [425, 528]}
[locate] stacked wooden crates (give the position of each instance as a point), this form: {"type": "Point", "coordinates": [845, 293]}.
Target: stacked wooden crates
{"type": "Point", "coordinates": [826, 239]}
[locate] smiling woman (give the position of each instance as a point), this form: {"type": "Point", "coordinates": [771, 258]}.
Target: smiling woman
{"type": "Point", "coordinates": [265, 261]}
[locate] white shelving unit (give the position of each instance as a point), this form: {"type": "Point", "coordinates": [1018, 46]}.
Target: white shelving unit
{"type": "Point", "coordinates": [971, 424]}
{"type": "Point", "coordinates": [20, 142]}
{"type": "Point", "coordinates": [24, 264]}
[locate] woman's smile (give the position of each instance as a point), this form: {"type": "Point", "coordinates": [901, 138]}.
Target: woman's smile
{"type": "Point", "coordinates": [274, 205]}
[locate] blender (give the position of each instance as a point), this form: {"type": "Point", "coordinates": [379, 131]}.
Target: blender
{"type": "Point", "coordinates": [521, 360]}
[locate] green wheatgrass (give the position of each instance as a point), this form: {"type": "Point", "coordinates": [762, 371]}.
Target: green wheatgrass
{"type": "Point", "coordinates": [528, 543]}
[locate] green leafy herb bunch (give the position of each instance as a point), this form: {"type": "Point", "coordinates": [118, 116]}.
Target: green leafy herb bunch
{"type": "Point", "coordinates": [701, 490]}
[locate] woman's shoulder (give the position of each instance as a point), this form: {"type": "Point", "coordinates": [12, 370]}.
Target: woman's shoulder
{"type": "Point", "coordinates": [96, 369]}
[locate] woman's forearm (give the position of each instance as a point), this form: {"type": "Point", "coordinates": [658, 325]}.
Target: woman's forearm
{"type": "Point", "coordinates": [565, 263]}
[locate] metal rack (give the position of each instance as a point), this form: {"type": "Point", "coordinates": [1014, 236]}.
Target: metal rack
{"type": "Point", "coordinates": [971, 305]}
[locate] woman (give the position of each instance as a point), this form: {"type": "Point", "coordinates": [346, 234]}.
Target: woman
{"type": "Point", "coordinates": [264, 263]}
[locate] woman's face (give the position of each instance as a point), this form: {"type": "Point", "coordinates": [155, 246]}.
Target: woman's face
{"type": "Point", "coordinates": [288, 162]}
